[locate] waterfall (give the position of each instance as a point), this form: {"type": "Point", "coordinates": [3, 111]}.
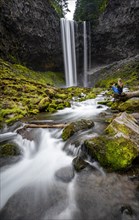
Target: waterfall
{"type": "Point", "coordinates": [69, 51]}
{"type": "Point", "coordinates": [68, 41]}
{"type": "Point", "coordinates": [89, 48]}
{"type": "Point", "coordinates": [85, 53]}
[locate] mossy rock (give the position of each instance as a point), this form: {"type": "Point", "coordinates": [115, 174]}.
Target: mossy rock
{"type": "Point", "coordinates": [73, 127]}
{"type": "Point", "coordinates": [79, 164]}
{"type": "Point", "coordinates": [51, 109]}
{"type": "Point", "coordinates": [112, 153]}
{"type": "Point", "coordinates": [60, 106]}
{"type": "Point", "coordinates": [90, 95]}
{"type": "Point", "coordinates": [131, 105]}
{"type": "Point", "coordinates": [67, 104]}
{"type": "Point", "coordinates": [125, 125]}
{"type": "Point", "coordinates": [34, 111]}
{"type": "Point", "coordinates": [43, 104]}
{"type": "Point", "coordinates": [9, 149]}
{"type": "Point", "coordinates": [61, 96]}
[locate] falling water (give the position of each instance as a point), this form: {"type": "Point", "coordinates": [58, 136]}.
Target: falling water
{"type": "Point", "coordinates": [89, 47]}
{"type": "Point", "coordinates": [85, 53]}
{"type": "Point", "coordinates": [71, 57]}
{"type": "Point", "coordinates": [68, 40]}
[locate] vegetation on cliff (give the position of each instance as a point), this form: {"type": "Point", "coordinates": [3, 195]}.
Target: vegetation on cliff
{"type": "Point", "coordinates": [60, 6]}
{"type": "Point", "coordinates": [128, 72]}
{"type": "Point", "coordinates": [89, 10]}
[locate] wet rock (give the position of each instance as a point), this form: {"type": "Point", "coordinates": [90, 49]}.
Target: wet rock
{"type": "Point", "coordinates": [65, 174]}
{"type": "Point", "coordinates": [34, 202]}
{"type": "Point", "coordinates": [9, 149]}
{"type": "Point", "coordinates": [109, 197]}
{"type": "Point", "coordinates": [10, 160]}
{"type": "Point", "coordinates": [120, 147]}
{"type": "Point", "coordinates": [112, 153]}
{"type": "Point", "coordinates": [73, 127]}
{"type": "Point", "coordinates": [79, 163]}
{"type": "Point", "coordinates": [28, 133]}
{"type": "Point", "coordinates": [131, 105]}
{"type": "Point", "coordinates": [126, 126]}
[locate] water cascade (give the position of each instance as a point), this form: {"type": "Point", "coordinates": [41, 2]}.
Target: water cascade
{"type": "Point", "coordinates": [71, 44]}
{"type": "Point", "coordinates": [68, 40]}
{"type": "Point", "coordinates": [85, 53]}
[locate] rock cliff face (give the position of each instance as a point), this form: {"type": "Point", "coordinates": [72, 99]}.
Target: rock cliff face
{"type": "Point", "coordinates": [117, 35]}
{"type": "Point", "coordinates": [30, 33]}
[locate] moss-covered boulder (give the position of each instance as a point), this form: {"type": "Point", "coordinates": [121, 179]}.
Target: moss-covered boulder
{"type": "Point", "coordinates": [43, 104]}
{"type": "Point", "coordinates": [118, 148]}
{"type": "Point", "coordinates": [131, 105]}
{"type": "Point", "coordinates": [73, 127]}
{"type": "Point", "coordinates": [114, 153]}
{"type": "Point", "coordinates": [124, 125]}
{"type": "Point", "coordinates": [9, 149]}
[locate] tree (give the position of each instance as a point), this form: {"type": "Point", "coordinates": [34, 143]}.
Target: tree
{"type": "Point", "coordinates": [61, 6]}
{"type": "Point", "coordinates": [89, 10]}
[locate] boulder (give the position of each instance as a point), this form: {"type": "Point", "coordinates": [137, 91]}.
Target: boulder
{"type": "Point", "coordinates": [131, 105]}
{"type": "Point", "coordinates": [9, 149]}
{"type": "Point", "coordinates": [124, 125]}
{"type": "Point", "coordinates": [65, 174]}
{"type": "Point", "coordinates": [79, 164]}
{"type": "Point", "coordinates": [115, 153]}
{"type": "Point", "coordinates": [73, 127]}
{"type": "Point", "coordinates": [118, 148]}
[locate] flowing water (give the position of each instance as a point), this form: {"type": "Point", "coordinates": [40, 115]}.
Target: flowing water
{"type": "Point", "coordinates": [70, 42]}
{"type": "Point", "coordinates": [43, 185]}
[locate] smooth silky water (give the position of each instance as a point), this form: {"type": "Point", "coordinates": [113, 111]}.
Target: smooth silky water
{"type": "Point", "coordinates": [43, 184]}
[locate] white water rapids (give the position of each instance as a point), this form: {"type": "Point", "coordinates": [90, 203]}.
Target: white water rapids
{"type": "Point", "coordinates": [31, 189]}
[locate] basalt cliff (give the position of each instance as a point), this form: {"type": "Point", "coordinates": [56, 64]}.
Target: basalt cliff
{"type": "Point", "coordinates": [117, 35]}
{"type": "Point", "coordinates": [30, 34]}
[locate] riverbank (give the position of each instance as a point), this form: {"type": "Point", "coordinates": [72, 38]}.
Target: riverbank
{"type": "Point", "coordinates": [26, 93]}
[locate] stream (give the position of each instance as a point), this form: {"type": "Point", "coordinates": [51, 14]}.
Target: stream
{"type": "Point", "coordinates": [42, 184]}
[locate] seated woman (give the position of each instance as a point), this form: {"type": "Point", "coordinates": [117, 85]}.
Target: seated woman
{"type": "Point", "coordinates": [118, 87]}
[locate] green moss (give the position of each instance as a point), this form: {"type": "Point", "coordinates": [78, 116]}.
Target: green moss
{"type": "Point", "coordinates": [61, 96]}
{"type": "Point", "coordinates": [43, 104]}
{"type": "Point", "coordinates": [115, 127]}
{"type": "Point", "coordinates": [67, 104]}
{"type": "Point", "coordinates": [109, 77]}
{"type": "Point", "coordinates": [73, 127]}
{"type": "Point", "coordinates": [60, 106]}
{"type": "Point", "coordinates": [68, 131]}
{"type": "Point", "coordinates": [103, 6]}
{"type": "Point", "coordinates": [51, 110]}
{"type": "Point", "coordinates": [91, 95]}
{"type": "Point", "coordinates": [116, 154]}
{"type": "Point", "coordinates": [9, 149]}
{"type": "Point", "coordinates": [131, 105]}
{"type": "Point", "coordinates": [14, 119]}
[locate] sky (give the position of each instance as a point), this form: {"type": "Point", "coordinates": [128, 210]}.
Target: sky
{"type": "Point", "coordinates": [71, 6]}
